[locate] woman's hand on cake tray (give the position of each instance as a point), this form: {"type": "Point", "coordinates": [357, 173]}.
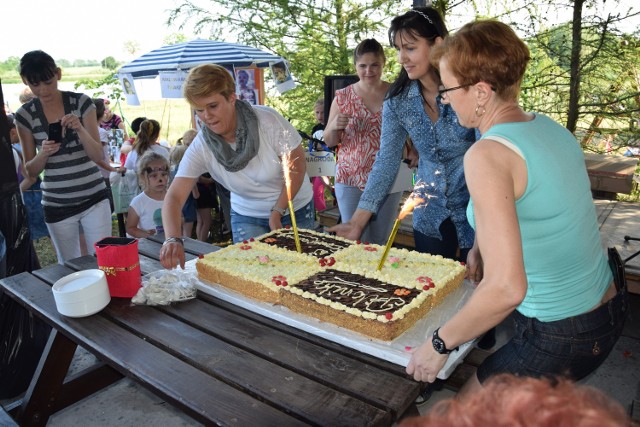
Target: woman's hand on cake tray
{"type": "Point", "coordinates": [425, 363]}
{"type": "Point", "coordinates": [353, 228]}
{"type": "Point", "coordinates": [172, 255]}
{"type": "Point", "coordinates": [474, 265]}
{"type": "Point", "coordinates": [346, 230]}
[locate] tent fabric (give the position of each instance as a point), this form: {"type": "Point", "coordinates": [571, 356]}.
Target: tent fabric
{"type": "Point", "coordinates": [183, 56]}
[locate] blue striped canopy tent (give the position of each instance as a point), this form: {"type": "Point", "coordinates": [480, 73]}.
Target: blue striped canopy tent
{"type": "Point", "coordinates": [183, 56]}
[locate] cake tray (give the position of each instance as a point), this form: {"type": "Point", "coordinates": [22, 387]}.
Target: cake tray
{"type": "Point", "coordinates": [397, 351]}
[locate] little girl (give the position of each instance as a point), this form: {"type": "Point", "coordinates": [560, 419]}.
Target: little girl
{"type": "Point", "coordinates": [143, 218]}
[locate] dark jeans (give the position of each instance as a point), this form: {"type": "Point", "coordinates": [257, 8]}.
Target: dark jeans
{"type": "Point", "coordinates": [572, 347]}
{"type": "Point", "coordinates": [447, 247]}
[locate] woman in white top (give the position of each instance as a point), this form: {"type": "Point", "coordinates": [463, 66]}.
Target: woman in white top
{"type": "Point", "coordinates": [241, 146]}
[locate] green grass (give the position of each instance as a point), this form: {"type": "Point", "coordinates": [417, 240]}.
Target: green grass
{"type": "Point", "coordinates": [174, 116]}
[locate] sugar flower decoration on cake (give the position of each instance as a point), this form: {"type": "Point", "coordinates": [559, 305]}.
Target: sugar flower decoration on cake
{"type": "Point", "coordinates": [263, 259]}
{"type": "Point", "coordinates": [327, 262]}
{"type": "Point", "coordinates": [370, 249]}
{"type": "Point", "coordinates": [401, 292]}
{"type": "Point", "coordinates": [395, 261]}
{"type": "Point", "coordinates": [279, 280]}
{"type": "Point", "coordinates": [427, 281]}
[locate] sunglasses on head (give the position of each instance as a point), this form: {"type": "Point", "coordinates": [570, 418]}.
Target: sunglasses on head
{"type": "Point", "coordinates": [157, 169]}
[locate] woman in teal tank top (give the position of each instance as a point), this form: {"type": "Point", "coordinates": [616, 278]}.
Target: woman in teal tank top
{"type": "Point", "coordinates": [537, 255]}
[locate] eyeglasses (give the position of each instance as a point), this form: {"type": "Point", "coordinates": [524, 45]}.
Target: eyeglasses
{"type": "Point", "coordinates": [443, 91]}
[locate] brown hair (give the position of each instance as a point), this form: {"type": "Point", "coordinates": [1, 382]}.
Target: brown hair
{"type": "Point", "coordinates": [208, 79]}
{"type": "Point", "coordinates": [486, 51]}
{"type": "Point", "coordinates": [508, 400]}
{"type": "Point", "coordinates": [368, 46]}
{"type": "Point", "coordinates": [147, 135]}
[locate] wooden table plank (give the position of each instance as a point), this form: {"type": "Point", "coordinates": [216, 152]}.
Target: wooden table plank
{"type": "Point", "coordinates": [280, 386]}
{"type": "Point", "coordinates": [192, 246]}
{"type": "Point", "coordinates": [305, 357]}
{"type": "Point", "coordinates": [202, 397]}
{"type": "Point", "coordinates": [303, 335]}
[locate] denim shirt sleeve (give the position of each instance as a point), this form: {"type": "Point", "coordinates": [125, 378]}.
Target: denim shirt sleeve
{"type": "Point", "coordinates": [388, 160]}
{"type": "Point", "coordinates": [441, 147]}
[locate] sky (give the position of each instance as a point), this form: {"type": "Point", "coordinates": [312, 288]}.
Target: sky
{"type": "Point", "coordinates": [77, 29]}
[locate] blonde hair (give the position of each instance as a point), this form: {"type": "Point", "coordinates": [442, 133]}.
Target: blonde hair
{"type": "Point", "coordinates": [189, 136]}
{"type": "Point", "coordinates": [208, 79]}
{"type": "Point", "coordinates": [177, 154]}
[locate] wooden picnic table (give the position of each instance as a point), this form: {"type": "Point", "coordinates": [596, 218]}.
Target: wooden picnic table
{"type": "Point", "coordinates": [217, 362]}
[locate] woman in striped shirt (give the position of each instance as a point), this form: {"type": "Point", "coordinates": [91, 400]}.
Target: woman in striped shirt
{"type": "Point", "coordinates": [74, 195]}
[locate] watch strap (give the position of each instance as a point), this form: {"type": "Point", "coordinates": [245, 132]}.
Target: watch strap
{"type": "Point", "coordinates": [441, 347]}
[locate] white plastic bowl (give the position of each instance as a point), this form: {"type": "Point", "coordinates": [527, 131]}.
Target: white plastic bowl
{"type": "Point", "coordinates": [82, 293]}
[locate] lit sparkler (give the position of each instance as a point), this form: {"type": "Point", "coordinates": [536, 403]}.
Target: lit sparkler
{"type": "Point", "coordinates": [409, 205]}
{"type": "Point", "coordinates": [287, 166]}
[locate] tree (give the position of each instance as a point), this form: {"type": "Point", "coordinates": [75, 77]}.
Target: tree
{"type": "Point", "coordinates": [109, 63]}
{"type": "Point", "coordinates": [175, 38]}
{"type": "Point", "coordinates": [316, 38]}
{"type": "Point", "coordinates": [584, 71]}
{"type": "Point", "coordinates": [131, 47]}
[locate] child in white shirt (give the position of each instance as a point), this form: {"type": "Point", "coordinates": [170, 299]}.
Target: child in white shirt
{"type": "Point", "coordinates": [143, 218]}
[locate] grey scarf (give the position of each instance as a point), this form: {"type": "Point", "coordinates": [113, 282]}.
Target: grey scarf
{"type": "Point", "coordinates": [247, 140]}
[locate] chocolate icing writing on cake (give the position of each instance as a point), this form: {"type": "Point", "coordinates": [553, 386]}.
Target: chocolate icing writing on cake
{"type": "Point", "coordinates": [312, 244]}
{"type": "Point", "coordinates": [354, 290]}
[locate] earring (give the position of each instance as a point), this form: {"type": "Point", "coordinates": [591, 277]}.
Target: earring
{"type": "Point", "coordinates": [480, 110]}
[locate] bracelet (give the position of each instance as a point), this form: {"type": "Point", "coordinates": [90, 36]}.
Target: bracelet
{"type": "Point", "coordinates": [174, 240]}
{"type": "Point", "coordinates": [281, 211]}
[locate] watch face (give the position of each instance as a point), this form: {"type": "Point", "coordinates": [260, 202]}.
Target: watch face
{"type": "Point", "coordinates": [439, 346]}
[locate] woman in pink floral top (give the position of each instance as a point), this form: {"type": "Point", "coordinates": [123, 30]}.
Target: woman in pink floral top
{"type": "Point", "coordinates": [354, 122]}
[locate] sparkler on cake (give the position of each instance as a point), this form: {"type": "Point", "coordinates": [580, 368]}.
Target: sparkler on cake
{"type": "Point", "coordinates": [287, 166]}
{"type": "Point", "coordinates": [409, 205]}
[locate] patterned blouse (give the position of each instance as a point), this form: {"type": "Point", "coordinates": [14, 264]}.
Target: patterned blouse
{"type": "Point", "coordinates": [112, 123]}
{"type": "Point", "coordinates": [72, 182]}
{"type": "Point", "coordinates": [360, 141]}
{"type": "Point", "coordinates": [441, 146]}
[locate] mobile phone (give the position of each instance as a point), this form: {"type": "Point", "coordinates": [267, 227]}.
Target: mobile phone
{"type": "Point", "coordinates": [55, 132]}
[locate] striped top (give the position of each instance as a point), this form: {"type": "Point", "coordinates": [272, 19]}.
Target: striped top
{"type": "Point", "coordinates": [72, 182]}
{"type": "Point", "coordinates": [360, 141]}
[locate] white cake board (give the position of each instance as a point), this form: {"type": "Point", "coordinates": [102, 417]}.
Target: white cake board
{"type": "Point", "coordinates": [397, 351]}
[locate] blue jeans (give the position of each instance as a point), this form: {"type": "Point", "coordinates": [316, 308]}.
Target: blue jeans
{"type": "Point", "coordinates": [447, 247]}
{"type": "Point", "coordinates": [245, 227]}
{"type": "Point", "coordinates": [379, 227]}
{"type": "Point", "coordinates": [572, 347]}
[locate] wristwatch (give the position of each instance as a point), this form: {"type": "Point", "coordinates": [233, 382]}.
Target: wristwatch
{"type": "Point", "coordinates": [281, 211]}
{"type": "Point", "coordinates": [174, 240]}
{"type": "Point", "coordinates": [439, 345]}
